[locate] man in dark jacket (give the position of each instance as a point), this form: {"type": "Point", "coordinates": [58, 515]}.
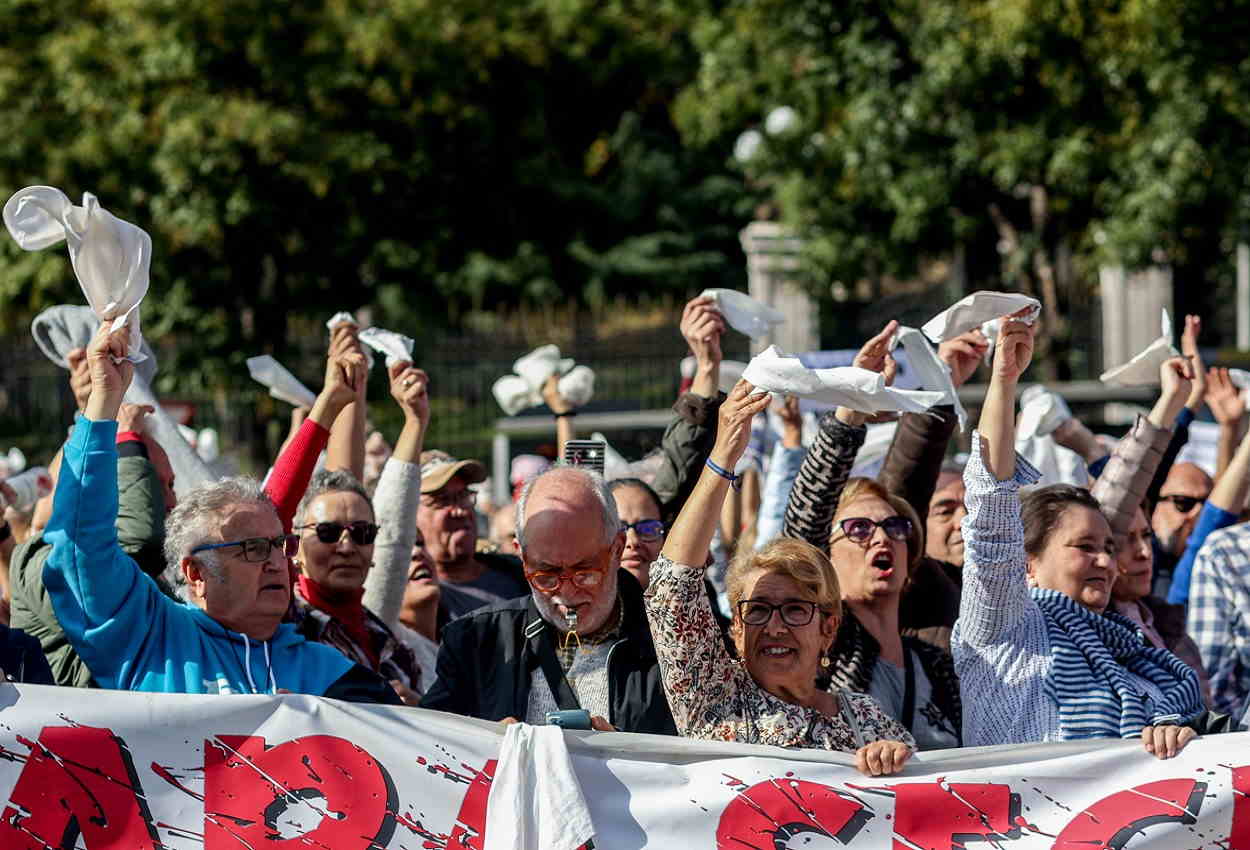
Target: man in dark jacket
{"type": "Point", "coordinates": [580, 640]}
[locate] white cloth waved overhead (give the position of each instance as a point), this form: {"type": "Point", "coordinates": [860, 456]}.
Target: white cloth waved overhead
{"type": "Point", "coordinates": [60, 329]}
{"type": "Point", "coordinates": [930, 371]}
{"type": "Point", "coordinates": [525, 388]}
{"type": "Point", "coordinates": [743, 313]}
{"type": "Point", "coordinates": [535, 798]}
{"type": "Point", "coordinates": [396, 346]}
{"type": "Point", "coordinates": [111, 257]}
{"type": "Point", "coordinates": [849, 386]}
{"type": "Point", "coordinates": [342, 317]}
{"type": "Point", "coordinates": [1041, 412]}
{"type": "Point", "coordinates": [1143, 369]}
{"type": "Point", "coordinates": [974, 310]}
{"type": "Point", "coordinates": [282, 384]}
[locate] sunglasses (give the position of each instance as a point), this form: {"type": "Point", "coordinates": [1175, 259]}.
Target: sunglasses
{"type": "Point", "coordinates": [1184, 504]}
{"type": "Point", "coordinates": [794, 612]}
{"type": "Point", "coordinates": [646, 529]}
{"type": "Point", "coordinates": [549, 582]}
{"type": "Point", "coordinates": [861, 528]}
{"type": "Point", "coordinates": [362, 533]}
{"type": "Point", "coordinates": [256, 549]}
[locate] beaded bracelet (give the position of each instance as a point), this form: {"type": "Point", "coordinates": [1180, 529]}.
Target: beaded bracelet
{"type": "Point", "coordinates": [735, 481]}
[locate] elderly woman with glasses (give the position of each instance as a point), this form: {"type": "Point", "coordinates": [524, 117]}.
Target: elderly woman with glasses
{"type": "Point", "coordinates": [786, 607]}
{"type": "Point", "coordinates": [1035, 642]}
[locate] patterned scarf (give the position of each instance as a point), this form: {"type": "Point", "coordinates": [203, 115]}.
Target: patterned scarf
{"type": "Point", "coordinates": [1091, 655]}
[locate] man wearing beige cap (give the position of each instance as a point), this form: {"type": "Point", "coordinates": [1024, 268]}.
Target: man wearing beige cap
{"type": "Point", "coordinates": [448, 523]}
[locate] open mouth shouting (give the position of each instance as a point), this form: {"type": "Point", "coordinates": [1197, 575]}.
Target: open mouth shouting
{"type": "Point", "coordinates": [882, 560]}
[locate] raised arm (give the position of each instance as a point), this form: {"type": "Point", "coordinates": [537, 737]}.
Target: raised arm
{"type": "Point", "coordinates": [346, 449]}
{"type": "Point", "coordinates": [563, 411]}
{"type": "Point", "coordinates": [995, 596]}
{"type": "Point", "coordinates": [698, 672]}
{"type": "Point", "coordinates": [98, 593]}
{"type": "Point", "coordinates": [396, 498]}
{"type": "Point", "coordinates": [814, 496]}
{"type": "Point", "coordinates": [294, 467]}
{"type": "Point", "coordinates": [1122, 486]}
{"type": "Point", "coordinates": [1229, 409]}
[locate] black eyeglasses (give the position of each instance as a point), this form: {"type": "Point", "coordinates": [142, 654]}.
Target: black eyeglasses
{"type": "Point", "coordinates": [362, 533]}
{"type": "Point", "coordinates": [1184, 504]}
{"type": "Point", "coordinates": [646, 529]}
{"type": "Point", "coordinates": [794, 612]}
{"type": "Point", "coordinates": [860, 528]}
{"type": "Point", "coordinates": [256, 549]}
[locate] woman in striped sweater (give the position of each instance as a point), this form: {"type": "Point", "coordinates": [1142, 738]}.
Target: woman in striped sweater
{"type": "Point", "coordinates": [1038, 656]}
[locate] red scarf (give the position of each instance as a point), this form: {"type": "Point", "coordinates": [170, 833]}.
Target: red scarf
{"type": "Point", "coordinates": [350, 614]}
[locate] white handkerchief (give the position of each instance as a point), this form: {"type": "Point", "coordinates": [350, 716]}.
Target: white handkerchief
{"type": "Point", "coordinates": [931, 372]}
{"type": "Point", "coordinates": [342, 317]}
{"type": "Point", "coordinates": [743, 313]}
{"type": "Point", "coordinates": [1143, 370]}
{"type": "Point", "coordinates": [396, 347]}
{"type": "Point", "coordinates": [514, 394]}
{"type": "Point", "coordinates": [535, 797]}
{"type": "Point", "coordinates": [989, 330]}
{"type": "Point", "coordinates": [539, 365]}
{"type": "Point", "coordinates": [1041, 412]}
{"type": "Point", "coordinates": [282, 384]}
{"type": "Point", "coordinates": [110, 257]}
{"type": "Point", "coordinates": [859, 389]}
{"type": "Point", "coordinates": [578, 386]}
{"type": "Point", "coordinates": [974, 310]}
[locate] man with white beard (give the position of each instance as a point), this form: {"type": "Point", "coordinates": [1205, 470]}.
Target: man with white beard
{"type": "Point", "coordinates": [580, 640]}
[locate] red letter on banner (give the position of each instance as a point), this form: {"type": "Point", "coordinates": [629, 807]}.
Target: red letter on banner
{"type": "Point", "coordinates": [1113, 820]}
{"type": "Point", "coordinates": [770, 813]}
{"type": "Point", "coordinates": [1239, 836]}
{"type": "Point", "coordinates": [78, 781]}
{"type": "Point", "coordinates": [944, 815]}
{"type": "Point", "coordinates": [469, 833]}
{"type": "Point", "coordinates": [317, 791]}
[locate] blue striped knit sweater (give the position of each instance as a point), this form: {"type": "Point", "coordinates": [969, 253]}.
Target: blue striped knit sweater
{"type": "Point", "coordinates": [1001, 644]}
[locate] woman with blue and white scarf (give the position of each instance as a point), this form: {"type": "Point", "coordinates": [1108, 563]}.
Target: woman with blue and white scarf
{"type": "Point", "coordinates": [1038, 656]}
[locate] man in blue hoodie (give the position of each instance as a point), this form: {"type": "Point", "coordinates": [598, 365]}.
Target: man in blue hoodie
{"type": "Point", "coordinates": [225, 545]}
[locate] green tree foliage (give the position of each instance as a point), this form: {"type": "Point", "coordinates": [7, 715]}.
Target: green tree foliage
{"type": "Point", "coordinates": [1042, 136]}
{"type": "Point", "coordinates": [295, 158]}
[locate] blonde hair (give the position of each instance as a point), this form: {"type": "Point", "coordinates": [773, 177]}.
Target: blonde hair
{"type": "Point", "coordinates": [798, 560]}
{"type": "Point", "coordinates": [868, 488]}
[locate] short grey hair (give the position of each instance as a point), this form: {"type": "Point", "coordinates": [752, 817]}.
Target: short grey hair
{"type": "Point", "coordinates": [197, 520]}
{"type": "Point", "coordinates": [593, 481]}
{"type": "Point", "coordinates": [331, 481]}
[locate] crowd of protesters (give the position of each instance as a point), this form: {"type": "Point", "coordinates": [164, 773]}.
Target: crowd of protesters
{"type": "Point", "coordinates": [791, 603]}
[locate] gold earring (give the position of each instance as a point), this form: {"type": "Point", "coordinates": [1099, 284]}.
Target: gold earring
{"type": "Point", "coordinates": [824, 661]}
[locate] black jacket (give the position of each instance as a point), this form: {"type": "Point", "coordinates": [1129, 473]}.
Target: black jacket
{"type": "Point", "coordinates": [488, 657]}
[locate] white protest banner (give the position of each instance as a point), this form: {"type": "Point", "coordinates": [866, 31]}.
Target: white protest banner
{"type": "Point", "coordinates": [106, 770]}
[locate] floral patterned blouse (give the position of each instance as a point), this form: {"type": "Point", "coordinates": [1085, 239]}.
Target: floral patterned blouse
{"type": "Point", "coordinates": [713, 697]}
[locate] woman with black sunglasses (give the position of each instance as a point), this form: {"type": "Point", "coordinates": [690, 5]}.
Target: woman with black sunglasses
{"type": "Point", "coordinates": [786, 607]}
{"type": "Point", "coordinates": [876, 543]}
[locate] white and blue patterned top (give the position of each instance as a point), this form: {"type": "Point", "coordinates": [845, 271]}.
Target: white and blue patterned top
{"type": "Point", "coordinates": [1001, 643]}
{"type": "Point", "coordinates": [1219, 615]}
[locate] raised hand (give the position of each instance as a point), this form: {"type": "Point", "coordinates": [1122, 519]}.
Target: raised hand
{"type": "Point", "coordinates": [1224, 398]}
{"type": "Point", "coordinates": [1015, 347]}
{"type": "Point", "coordinates": [875, 353]}
{"type": "Point", "coordinates": [551, 395]}
{"type": "Point", "coordinates": [963, 354]}
{"type": "Point", "coordinates": [791, 422]}
{"type": "Point", "coordinates": [79, 376]}
{"type": "Point", "coordinates": [702, 326]}
{"type": "Point", "coordinates": [110, 372]}
{"type": "Point", "coordinates": [1189, 348]}
{"type": "Point", "coordinates": [1176, 377]}
{"type": "Point", "coordinates": [133, 417]}
{"type": "Point", "coordinates": [409, 389]}
{"type": "Point", "coordinates": [733, 428]}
